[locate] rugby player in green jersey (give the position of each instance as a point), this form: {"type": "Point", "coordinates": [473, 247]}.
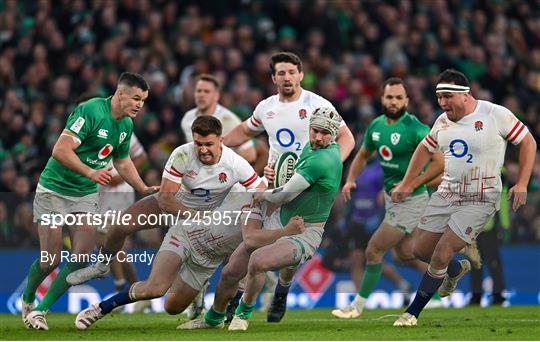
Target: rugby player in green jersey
{"type": "Point", "coordinates": [97, 131]}
{"type": "Point", "coordinates": [394, 136]}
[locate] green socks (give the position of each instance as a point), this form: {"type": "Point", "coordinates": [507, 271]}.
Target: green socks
{"type": "Point", "coordinates": [59, 286]}
{"type": "Point", "coordinates": [372, 274]}
{"type": "Point", "coordinates": [213, 317]}
{"type": "Point", "coordinates": [244, 311]}
{"type": "Point", "coordinates": [35, 277]}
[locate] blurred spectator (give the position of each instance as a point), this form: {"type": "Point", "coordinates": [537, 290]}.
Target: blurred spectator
{"type": "Point", "coordinates": [52, 51]}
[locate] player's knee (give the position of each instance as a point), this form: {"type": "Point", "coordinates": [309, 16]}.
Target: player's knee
{"type": "Point", "coordinates": [403, 256]}
{"type": "Point", "coordinates": [373, 254]}
{"type": "Point", "coordinates": [231, 275]}
{"type": "Point", "coordinates": [256, 263]}
{"type": "Point", "coordinates": [172, 307]}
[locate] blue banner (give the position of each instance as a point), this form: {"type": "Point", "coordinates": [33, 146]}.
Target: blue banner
{"type": "Point", "coordinates": [315, 285]}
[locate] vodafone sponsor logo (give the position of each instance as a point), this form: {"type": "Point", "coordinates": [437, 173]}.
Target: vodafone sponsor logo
{"type": "Point", "coordinates": [385, 152]}
{"type": "Point", "coordinates": [105, 151]}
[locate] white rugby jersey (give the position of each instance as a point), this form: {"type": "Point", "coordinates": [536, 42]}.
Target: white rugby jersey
{"type": "Point", "coordinates": [474, 149]}
{"type": "Point", "coordinates": [205, 186]}
{"type": "Point", "coordinates": [228, 119]}
{"type": "Point", "coordinates": [136, 149]}
{"type": "Point", "coordinates": [286, 123]}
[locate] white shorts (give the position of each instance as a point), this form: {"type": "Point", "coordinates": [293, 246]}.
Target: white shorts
{"type": "Point", "coordinates": [405, 215]}
{"type": "Point", "coordinates": [194, 272]}
{"type": "Point", "coordinates": [48, 202]}
{"type": "Point", "coordinates": [201, 249]}
{"type": "Point", "coordinates": [306, 243]}
{"type": "Point", "coordinates": [466, 220]}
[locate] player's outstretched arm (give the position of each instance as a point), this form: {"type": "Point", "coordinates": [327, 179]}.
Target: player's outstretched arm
{"type": "Point", "coordinates": [127, 170]}
{"type": "Point", "coordinates": [167, 200]}
{"type": "Point", "coordinates": [420, 157]}
{"type": "Point", "coordinates": [345, 139]}
{"type": "Point", "coordinates": [239, 135]}
{"type": "Point", "coordinates": [285, 193]}
{"type": "Point", "coordinates": [255, 237]}
{"type": "Point", "coordinates": [434, 170]}
{"type": "Point", "coordinates": [357, 165]}
{"type": "Point", "coordinates": [64, 152]}
{"type": "Point", "coordinates": [527, 156]}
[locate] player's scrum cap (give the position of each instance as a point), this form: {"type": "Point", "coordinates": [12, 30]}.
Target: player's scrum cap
{"type": "Point", "coordinates": [327, 119]}
{"type": "Point", "coordinates": [451, 88]}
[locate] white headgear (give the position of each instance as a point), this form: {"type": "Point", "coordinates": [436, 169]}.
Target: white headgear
{"type": "Point", "coordinates": [327, 119]}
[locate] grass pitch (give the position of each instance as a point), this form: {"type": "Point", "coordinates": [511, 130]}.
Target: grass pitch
{"type": "Point", "coordinates": [495, 323]}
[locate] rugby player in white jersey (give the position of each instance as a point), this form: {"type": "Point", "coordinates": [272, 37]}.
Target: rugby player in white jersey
{"type": "Point", "coordinates": [285, 118]}
{"type": "Point", "coordinates": [472, 135]}
{"type": "Point", "coordinates": [197, 177]}
{"type": "Point", "coordinates": [207, 93]}
{"type": "Point", "coordinates": [192, 250]}
{"type": "Point", "coordinates": [313, 182]}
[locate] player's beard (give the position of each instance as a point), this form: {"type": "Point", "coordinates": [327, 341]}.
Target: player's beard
{"type": "Point", "coordinates": [288, 93]}
{"type": "Point", "coordinates": [209, 155]}
{"type": "Point", "coordinates": [394, 116]}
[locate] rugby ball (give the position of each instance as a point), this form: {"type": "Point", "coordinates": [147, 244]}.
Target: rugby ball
{"type": "Point", "coordinates": [284, 168]}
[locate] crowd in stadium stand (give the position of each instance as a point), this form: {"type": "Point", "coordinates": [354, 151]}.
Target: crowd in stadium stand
{"type": "Point", "coordinates": [54, 54]}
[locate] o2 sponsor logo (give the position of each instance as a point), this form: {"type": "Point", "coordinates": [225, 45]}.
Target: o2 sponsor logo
{"type": "Point", "coordinates": [203, 193]}
{"type": "Point", "coordinates": [460, 149]}
{"type": "Point", "coordinates": [286, 138]}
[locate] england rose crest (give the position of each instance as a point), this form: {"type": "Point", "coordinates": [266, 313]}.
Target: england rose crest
{"type": "Point", "coordinates": [478, 125]}
{"type": "Point", "coordinates": [302, 113]}
{"type": "Point", "coordinates": [222, 177]}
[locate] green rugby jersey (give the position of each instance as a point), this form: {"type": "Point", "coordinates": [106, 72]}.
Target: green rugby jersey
{"type": "Point", "coordinates": [395, 144]}
{"type": "Point", "coordinates": [102, 138]}
{"type": "Point", "coordinates": [322, 168]}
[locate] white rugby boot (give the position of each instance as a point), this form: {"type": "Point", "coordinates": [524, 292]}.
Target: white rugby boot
{"type": "Point", "coordinates": [449, 284]}
{"type": "Point", "coordinates": [350, 311]}
{"type": "Point", "coordinates": [36, 320]}
{"type": "Point", "coordinates": [97, 270]}
{"type": "Point", "coordinates": [406, 320]}
{"type": "Point", "coordinates": [238, 324]}
{"type": "Point", "coordinates": [88, 316]}
{"type": "Point", "coordinates": [26, 308]}
{"type": "Point", "coordinates": [199, 324]}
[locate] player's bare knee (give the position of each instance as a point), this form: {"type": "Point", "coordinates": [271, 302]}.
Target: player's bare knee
{"type": "Point", "coordinates": [403, 256]}
{"type": "Point", "coordinates": [257, 263]}
{"type": "Point", "coordinates": [172, 307]}
{"type": "Point", "coordinates": [231, 275]}
{"type": "Point", "coordinates": [373, 254]}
